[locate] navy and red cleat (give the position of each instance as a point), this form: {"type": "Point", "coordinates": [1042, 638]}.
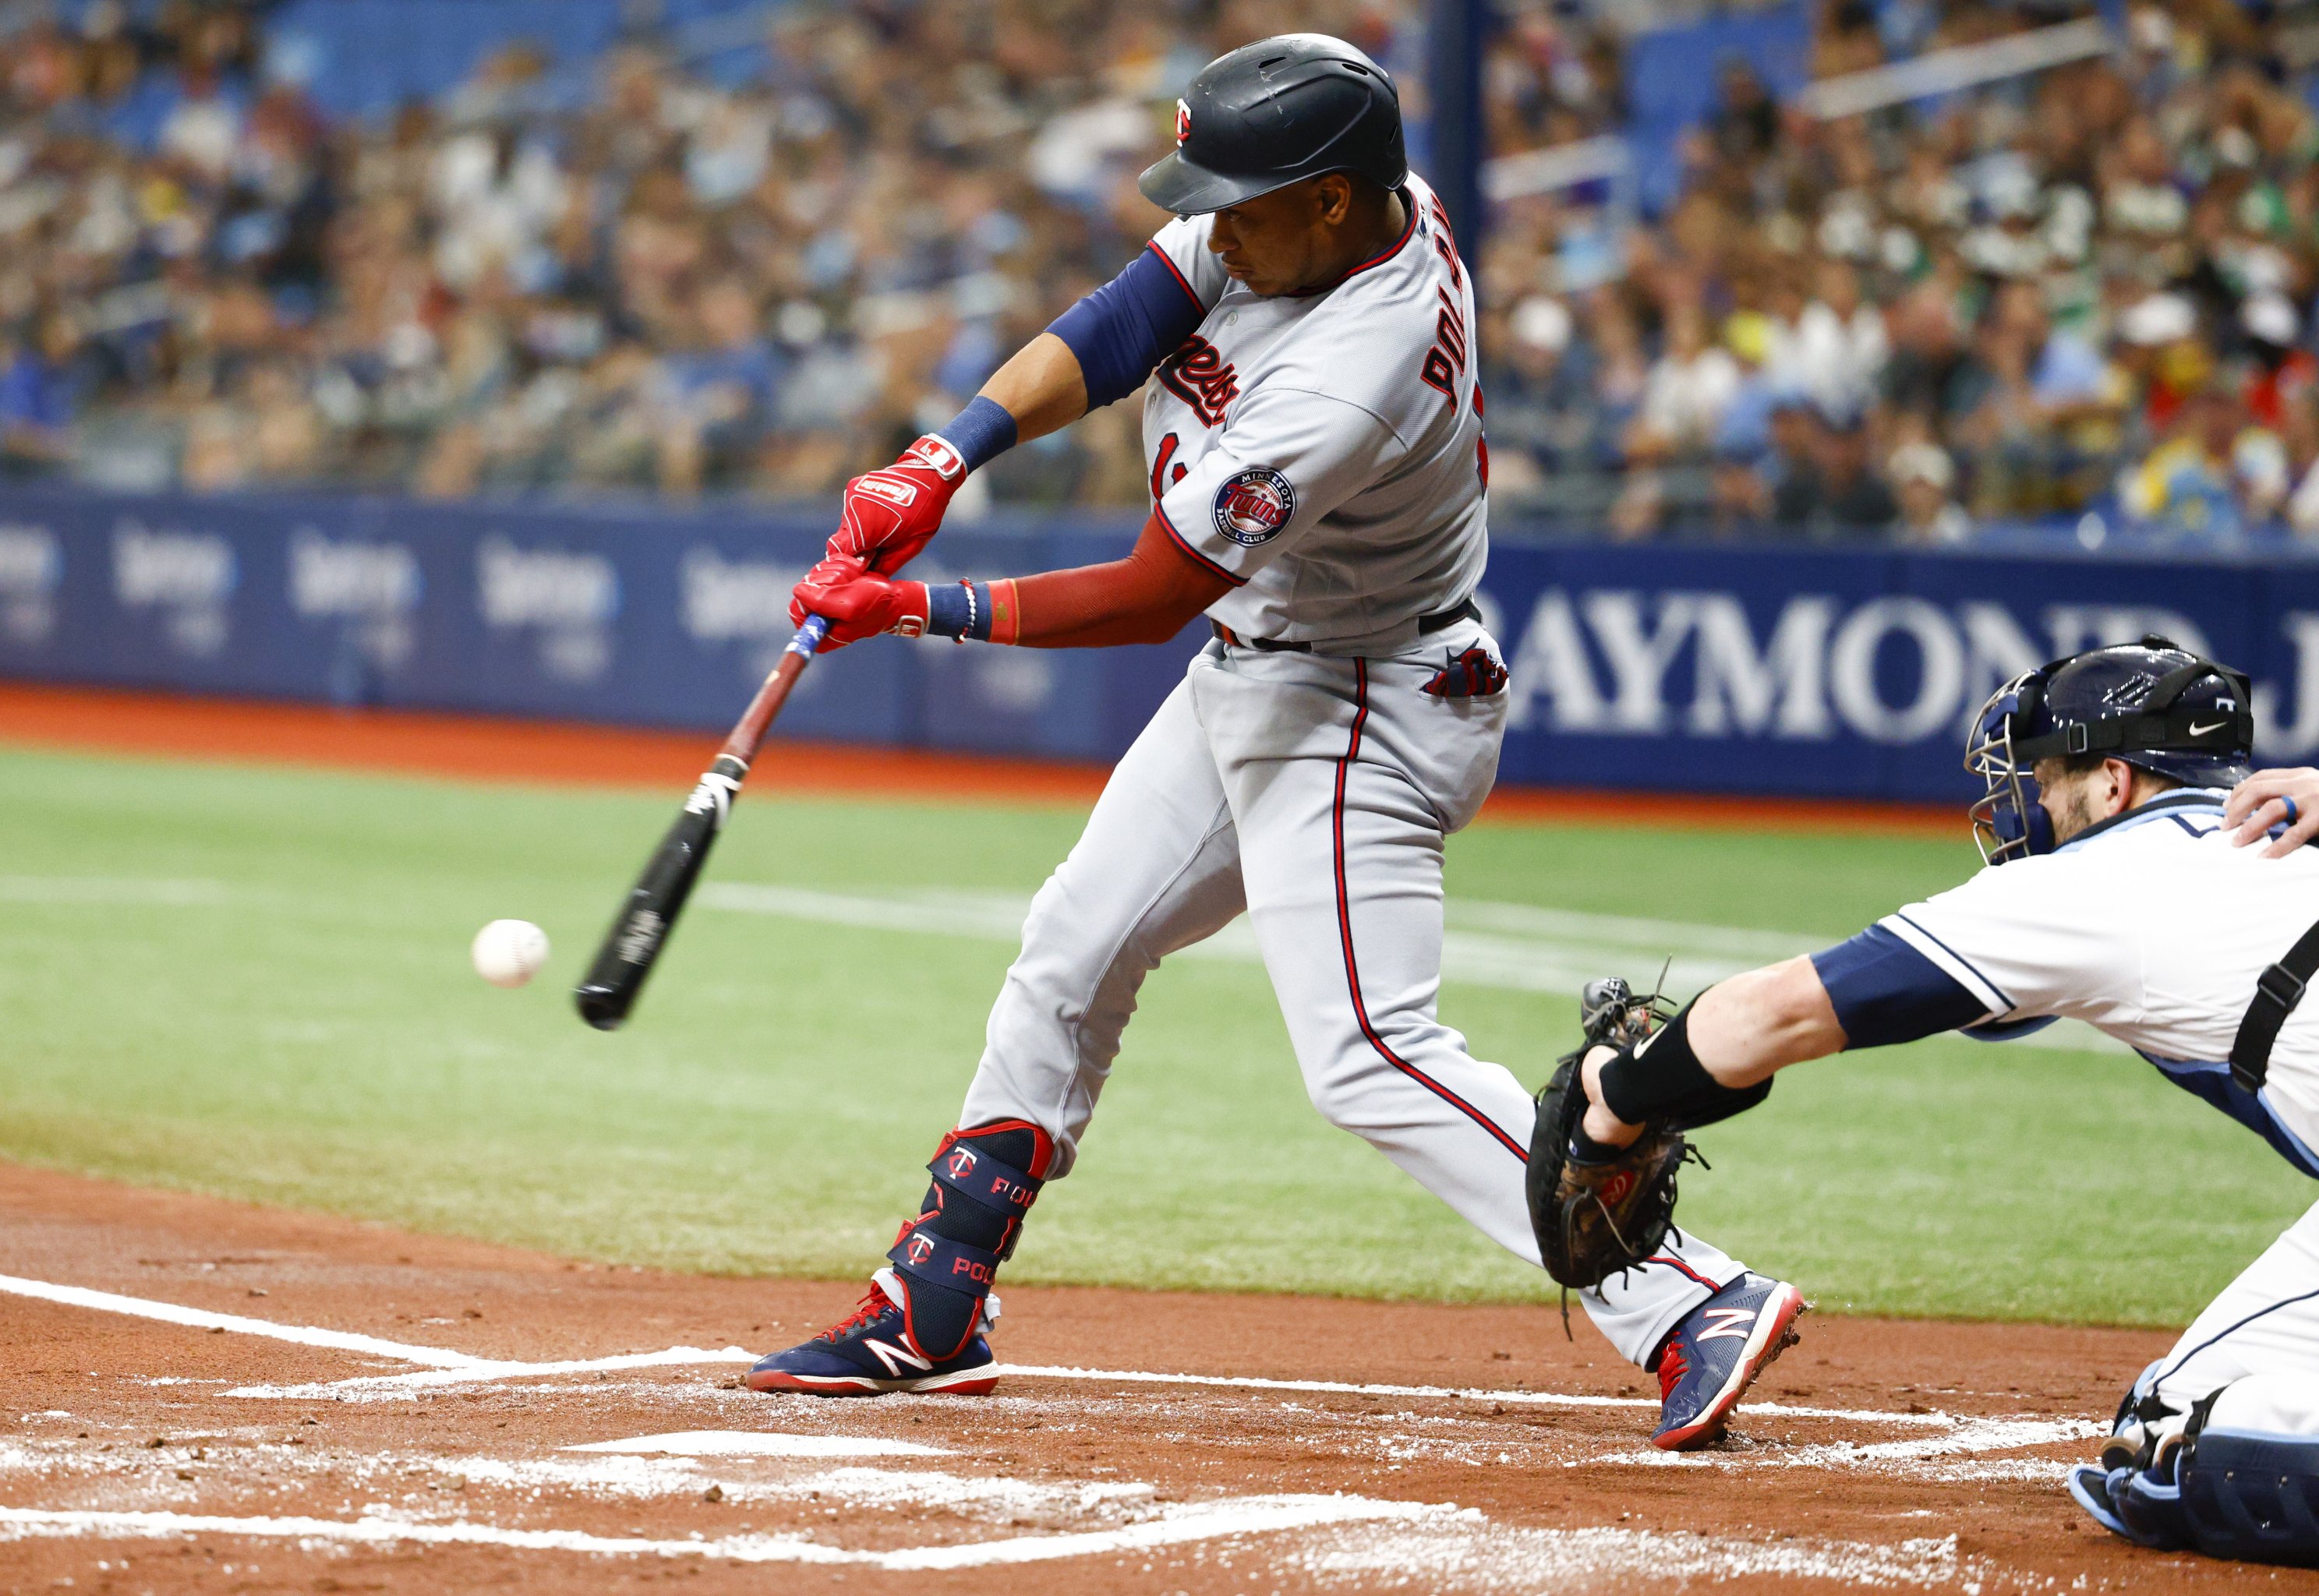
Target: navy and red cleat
{"type": "Point", "coordinates": [871, 1353]}
{"type": "Point", "coordinates": [1715, 1354]}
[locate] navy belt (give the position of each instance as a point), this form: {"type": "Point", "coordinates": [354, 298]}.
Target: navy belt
{"type": "Point", "coordinates": [1441, 620]}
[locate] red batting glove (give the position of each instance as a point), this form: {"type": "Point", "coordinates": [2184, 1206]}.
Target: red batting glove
{"type": "Point", "coordinates": [889, 515]}
{"type": "Point", "coordinates": [857, 604]}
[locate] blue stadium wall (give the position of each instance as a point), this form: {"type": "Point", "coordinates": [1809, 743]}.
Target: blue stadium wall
{"type": "Point", "coordinates": [1834, 672]}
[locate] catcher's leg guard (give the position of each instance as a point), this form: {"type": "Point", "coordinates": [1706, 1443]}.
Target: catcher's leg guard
{"type": "Point", "coordinates": [946, 1259]}
{"type": "Point", "coordinates": [2237, 1476]}
{"type": "Point", "coordinates": [2249, 1475]}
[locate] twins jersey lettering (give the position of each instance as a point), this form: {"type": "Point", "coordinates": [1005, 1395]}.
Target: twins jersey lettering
{"type": "Point", "coordinates": [1324, 452]}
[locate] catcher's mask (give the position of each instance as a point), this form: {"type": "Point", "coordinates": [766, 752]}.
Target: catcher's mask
{"type": "Point", "coordinates": [2153, 704]}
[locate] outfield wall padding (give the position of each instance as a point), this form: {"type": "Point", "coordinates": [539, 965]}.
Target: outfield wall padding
{"type": "Point", "coordinates": [1748, 670]}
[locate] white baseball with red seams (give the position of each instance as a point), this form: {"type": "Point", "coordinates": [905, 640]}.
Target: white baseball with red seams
{"type": "Point", "coordinates": [1325, 453]}
{"type": "Point", "coordinates": [508, 953]}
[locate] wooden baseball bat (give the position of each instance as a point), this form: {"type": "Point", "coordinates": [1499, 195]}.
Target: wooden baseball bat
{"type": "Point", "coordinates": [640, 929]}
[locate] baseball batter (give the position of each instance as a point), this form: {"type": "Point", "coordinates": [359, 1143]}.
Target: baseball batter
{"type": "Point", "coordinates": [1313, 428]}
{"type": "Point", "coordinates": [2130, 899]}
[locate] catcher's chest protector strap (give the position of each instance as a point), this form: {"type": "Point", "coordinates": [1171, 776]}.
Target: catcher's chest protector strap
{"type": "Point", "coordinates": [2277, 992]}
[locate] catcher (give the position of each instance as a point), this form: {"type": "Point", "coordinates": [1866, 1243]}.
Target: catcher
{"type": "Point", "coordinates": [2130, 900]}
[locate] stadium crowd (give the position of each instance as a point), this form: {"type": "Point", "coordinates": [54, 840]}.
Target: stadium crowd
{"type": "Point", "coordinates": [662, 285]}
{"type": "Point", "coordinates": [2083, 295]}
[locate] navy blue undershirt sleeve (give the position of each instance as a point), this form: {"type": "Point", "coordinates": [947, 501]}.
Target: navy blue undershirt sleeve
{"type": "Point", "coordinates": [1125, 328]}
{"type": "Point", "coordinates": [1885, 991]}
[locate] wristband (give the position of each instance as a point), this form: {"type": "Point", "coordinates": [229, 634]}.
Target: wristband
{"type": "Point", "coordinates": [981, 432]}
{"type": "Point", "coordinates": [949, 610]}
{"type": "Point", "coordinates": [1662, 1082]}
{"type": "Point", "coordinates": [972, 611]}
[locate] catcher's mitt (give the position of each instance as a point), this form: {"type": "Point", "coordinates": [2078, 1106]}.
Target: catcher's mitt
{"type": "Point", "coordinates": [1594, 1220]}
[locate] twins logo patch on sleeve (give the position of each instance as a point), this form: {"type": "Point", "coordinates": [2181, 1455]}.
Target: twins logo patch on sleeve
{"type": "Point", "coordinates": [1252, 506]}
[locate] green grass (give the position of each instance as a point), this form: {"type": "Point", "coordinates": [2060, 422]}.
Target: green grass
{"type": "Point", "coordinates": [313, 1038]}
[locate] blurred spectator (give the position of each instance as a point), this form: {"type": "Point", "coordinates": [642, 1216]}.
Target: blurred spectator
{"type": "Point", "coordinates": [1923, 480]}
{"type": "Point", "coordinates": [38, 393]}
{"type": "Point", "coordinates": [1691, 385]}
{"type": "Point", "coordinates": [1544, 409]}
{"type": "Point", "coordinates": [715, 396]}
{"type": "Point", "coordinates": [2215, 477]}
{"type": "Point", "coordinates": [1837, 345]}
{"type": "Point", "coordinates": [1828, 488]}
{"type": "Point", "coordinates": [1745, 123]}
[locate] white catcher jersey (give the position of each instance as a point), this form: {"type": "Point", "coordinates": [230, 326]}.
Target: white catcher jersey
{"type": "Point", "coordinates": [2150, 927]}
{"type": "Point", "coordinates": [1323, 453]}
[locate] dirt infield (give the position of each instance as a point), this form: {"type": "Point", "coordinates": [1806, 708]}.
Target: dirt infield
{"type": "Point", "coordinates": [487, 748]}
{"type": "Point", "coordinates": [205, 1395]}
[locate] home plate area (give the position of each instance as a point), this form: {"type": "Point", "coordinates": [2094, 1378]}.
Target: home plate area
{"type": "Point", "coordinates": [205, 1395]}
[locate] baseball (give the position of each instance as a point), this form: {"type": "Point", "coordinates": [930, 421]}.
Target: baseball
{"type": "Point", "coordinates": [508, 953]}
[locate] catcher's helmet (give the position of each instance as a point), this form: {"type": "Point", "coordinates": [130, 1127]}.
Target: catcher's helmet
{"type": "Point", "coordinates": [2153, 704]}
{"type": "Point", "coordinates": [1272, 113]}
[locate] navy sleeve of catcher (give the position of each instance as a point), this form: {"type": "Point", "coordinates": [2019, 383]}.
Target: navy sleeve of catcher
{"type": "Point", "coordinates": [1125, 328]}
{"type": "Point", "coordinates": [1885, 991]}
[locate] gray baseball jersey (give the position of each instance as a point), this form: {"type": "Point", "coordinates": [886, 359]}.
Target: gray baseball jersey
{"type": "Point", "coordinates": [1323, 452]}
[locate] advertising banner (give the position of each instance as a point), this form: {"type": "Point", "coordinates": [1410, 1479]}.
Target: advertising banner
{"type": "Point", "coordinates": [1748, 670]}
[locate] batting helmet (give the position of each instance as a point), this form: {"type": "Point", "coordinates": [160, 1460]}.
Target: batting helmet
{"type": "Point", "coordinates": [1271, 114]}
{"type": "Point", "coordinates": [2153, 704]}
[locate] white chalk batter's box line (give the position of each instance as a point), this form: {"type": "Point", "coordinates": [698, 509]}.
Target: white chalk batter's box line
{"type": "Point", "coordinates": [447, 1367]}
{"type": "Point", "coordinates": [1394, 1539]}
{"type": "Point", "coordinates": [1176, 1525]}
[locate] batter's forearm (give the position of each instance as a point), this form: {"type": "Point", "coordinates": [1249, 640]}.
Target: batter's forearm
{"type": "Point", "coordinates": [1146, 598]}
{"type": "Point", "coordinates": [1058, 626]}
{"type": "Point", "coordinates": [1041, 387]}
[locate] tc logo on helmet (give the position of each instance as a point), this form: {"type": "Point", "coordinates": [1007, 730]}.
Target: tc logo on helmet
{"type": "Point", "coordinates": [1183, 121]}
{"type": "Point", "coordinates": [1254, 505]}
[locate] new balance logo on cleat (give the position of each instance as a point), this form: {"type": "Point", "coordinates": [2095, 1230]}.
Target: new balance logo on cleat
{"type": "Point", "coordinates": [1727, 1321]}
{"type": "Point", "coordinates": [896, 1359]}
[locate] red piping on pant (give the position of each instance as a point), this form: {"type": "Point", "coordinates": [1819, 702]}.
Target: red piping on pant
{"type": "Point", "coordinates": [1677, 1263]}
{"type": "Point", "coordinates": [1345, 930]}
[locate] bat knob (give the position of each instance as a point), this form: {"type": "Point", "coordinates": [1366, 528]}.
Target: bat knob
{"type": "Point", "coordinates": [600, 1007]}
